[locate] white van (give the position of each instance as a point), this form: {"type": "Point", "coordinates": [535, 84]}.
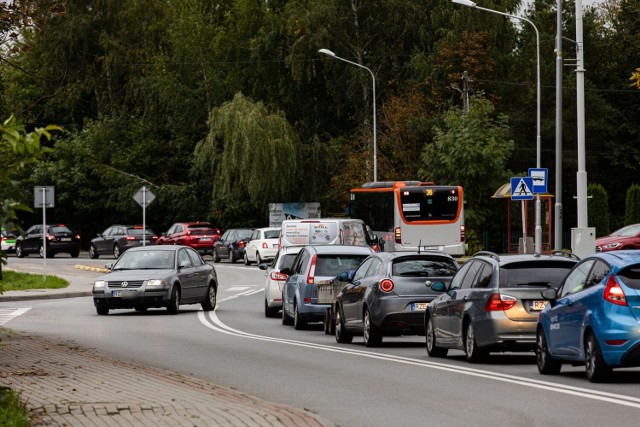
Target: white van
{"type": "Point", "coordinates": [324, 231]}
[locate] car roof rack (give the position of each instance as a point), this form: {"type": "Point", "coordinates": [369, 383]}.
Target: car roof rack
{"type": "Point", "coordinates": [487, 253]}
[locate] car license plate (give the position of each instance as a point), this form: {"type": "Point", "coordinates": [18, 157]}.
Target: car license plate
{"type": "Point", "coordinates": [65, 239]}
{"type": "Point", "coordinates": [419, 306]}
{"type": "Point", "coordinates": [116, 294]}
{"type": "Point", "coordinates": [205, 239]}
{"type": "Point", "coordinates": [537, 305]}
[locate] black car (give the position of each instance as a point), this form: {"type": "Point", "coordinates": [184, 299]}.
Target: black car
{"type": "Point", "coordinates": [231, 245]}
{"type": "Point", "coordinates": [59, 238]}
{"type": "Point", "coordinates": [388, 294]}
{"type": "Point", "coordinates": [118, 238]}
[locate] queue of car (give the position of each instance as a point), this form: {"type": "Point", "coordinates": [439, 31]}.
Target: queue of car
{"type": "Point", "coordinates": [565, 310]}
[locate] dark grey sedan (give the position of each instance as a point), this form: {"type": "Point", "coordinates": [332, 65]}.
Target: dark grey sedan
{"type": "Point", "coordinates": [388, 295]}
{"type": "Point", "coordinates": [157, 276]}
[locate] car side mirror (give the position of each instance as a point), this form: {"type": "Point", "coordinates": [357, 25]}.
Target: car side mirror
{"type": "Point", "coordinates": [549, 294]}
{"type": "Point", "coordinates": [439, 286]}
{"type": "Point", "coordinates": [108, 266]}
{"type": "Point", "coordinates": [345, 276]}
{"type": "Point", "coordinates": [263, 266]}
{"type": "Point", "coordinates": [185, 264]}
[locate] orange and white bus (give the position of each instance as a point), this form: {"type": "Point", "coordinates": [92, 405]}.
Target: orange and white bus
{"type": "Point", "coordinates": [412, 215]}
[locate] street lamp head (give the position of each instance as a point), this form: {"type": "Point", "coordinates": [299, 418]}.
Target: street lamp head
{"type": "Point", "coordinates": [327, 52]}
{"type": "Point", "coordinates": [467, 3]}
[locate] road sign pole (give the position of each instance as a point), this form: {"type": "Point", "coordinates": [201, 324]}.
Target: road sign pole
{"type": "Point", "coordinates": [44, 231]}
{"type": "Point", "coordinates": [144, 214]}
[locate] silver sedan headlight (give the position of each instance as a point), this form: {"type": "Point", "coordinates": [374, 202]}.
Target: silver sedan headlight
{"type": "Point", "coordinates": [99, 284]}
{"type": "Point", "coordinates": [155, 283]}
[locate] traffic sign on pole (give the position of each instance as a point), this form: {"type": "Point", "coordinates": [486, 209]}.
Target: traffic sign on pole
{"type": "Point", "coordinates": [521, 188]}
{"type": "Point", "coordinates": [539, 177]}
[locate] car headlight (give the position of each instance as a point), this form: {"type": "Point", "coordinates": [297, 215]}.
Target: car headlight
{"type": "Point", "coordinates": [99, 284]}
{"type": "Point", "coordinates": [155, 283]}
{"type": "Point", "coordinates": [611, 245]}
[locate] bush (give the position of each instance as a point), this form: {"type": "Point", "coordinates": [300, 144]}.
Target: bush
{"type": "Point", "coordinates": [12, 410]}
{"type": "Point", "coordinates": [632, 213]}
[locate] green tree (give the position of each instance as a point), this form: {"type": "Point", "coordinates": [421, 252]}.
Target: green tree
{"type": "Point", "coordinates": [251, 156]}
{"type": "Point", "coordinates": [471, 150]}
{"type": "Point", "coordinates": [632, 213]}
{"type": "Point", "coordinates": [19, 150]}
{"type": "Point", "coordinates": [598, 209]}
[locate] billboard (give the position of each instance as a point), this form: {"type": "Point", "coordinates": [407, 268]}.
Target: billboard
{"type": "Point", "coordinates": [278, 212]}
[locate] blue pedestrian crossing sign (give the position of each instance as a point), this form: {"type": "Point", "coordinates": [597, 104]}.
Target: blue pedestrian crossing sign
{"type": "Point", "coordinates": [539, 176]}
{"type": "Point", "coordinates": [521, 188]}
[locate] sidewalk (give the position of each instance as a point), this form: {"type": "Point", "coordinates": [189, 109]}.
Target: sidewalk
{"type": "Point", "coordinates": [65, 385]}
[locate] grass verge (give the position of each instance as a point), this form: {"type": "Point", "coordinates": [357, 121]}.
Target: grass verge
{"type": "Point", "coordinates": [13, 413]}
{"type": "Point", "coordinates": [17, 281]}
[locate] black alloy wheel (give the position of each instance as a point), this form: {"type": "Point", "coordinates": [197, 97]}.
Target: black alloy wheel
{"type": "Point", "coordinates": [430, 336]}
{"type": "Point", "coordinates": [209, 302]}
{"type": "Point", "coordinates": [372, 334]}
{"type": "Point", "coordinates": [595, 366]}
{"type": "Point", "coordinates": [546, 364]}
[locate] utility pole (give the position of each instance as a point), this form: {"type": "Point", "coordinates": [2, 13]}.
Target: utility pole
{"type": "Point", "coordinates": [465, 92]}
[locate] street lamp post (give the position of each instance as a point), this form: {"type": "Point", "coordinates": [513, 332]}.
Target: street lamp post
{"type": "Point", "coordinates": [375, 158]}
{"type": "Point", "coordinates": [468, 3]}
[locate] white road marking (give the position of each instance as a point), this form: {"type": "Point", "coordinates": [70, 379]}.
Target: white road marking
{"type": "Point", "coordinates": [237, 288]}
{"type": "Point", "coordinates": [211, 321]}
{"type": "Point", "coordinates": [7, 314]}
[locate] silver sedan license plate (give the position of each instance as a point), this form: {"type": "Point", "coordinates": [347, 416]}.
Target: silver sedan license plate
{"type": "Point", "coordinates": [538, 305]}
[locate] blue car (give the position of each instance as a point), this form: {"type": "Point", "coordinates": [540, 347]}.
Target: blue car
{"type": "Point", "coordinates": [594, 318]}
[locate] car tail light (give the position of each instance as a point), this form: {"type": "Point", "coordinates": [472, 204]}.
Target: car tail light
{"type": "Point", "coordinates": [463, 233]}
{"type": "Point", "coordinates": [264, 245]}
{"type": "Point", "coordinates": [498, 302]}
{"type": "Point", "coordinates": [242, 244]}
{"type": "Point", "coordinates": [154, 237]}
{"type": "Point", "coordinates": [280, 277]}
{"type": "Point", "coordinates": [386, 285]}
{"type": "Point", "coordinates": [398, 235]}
{"type": "Point", "coordinates": [312, 270]}
{"type": "Point", "coordinates": [613, 292]}
{"type": "Point", "coordinates": [129, 238]}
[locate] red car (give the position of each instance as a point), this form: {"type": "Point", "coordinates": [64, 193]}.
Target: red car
{"type": "Point", "coordinates": [199, 235]}
{"type": "Point", "coordinates": [625, 238]}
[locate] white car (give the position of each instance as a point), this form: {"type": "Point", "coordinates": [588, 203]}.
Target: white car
{"type": "Point", "coordinates": [262, 245]}
{"type": "Point", "coordinates": [275, 280]}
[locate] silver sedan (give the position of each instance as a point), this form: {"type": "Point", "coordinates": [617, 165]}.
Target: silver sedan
{"type": "Point", "coordinates": [156, 276]}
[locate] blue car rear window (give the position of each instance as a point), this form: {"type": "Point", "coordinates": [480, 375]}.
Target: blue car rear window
{"type": "Point", "coordinates": [332, 265]}
{"type": "Point", "coordinates": [630, 276]}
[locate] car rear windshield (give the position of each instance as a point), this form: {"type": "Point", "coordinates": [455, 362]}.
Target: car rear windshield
{"type": "Point", "coordinates": [272, 234]}
{"type": "Point", "coordinates": [423, 267]}
{"type": "Point", "coordinates": [201, 231]}
{"type": "Point", "coordinates": [60, 229]}
{"type": "Point", "coordinates": [534, 273]}
{"type": "Point", "coordinates": [331, 265]}
{"type": "Point", "coordinates": [244, 234]}
{"type": "Point", "coordinates": [138, 231]}
{"type": "Point", "coordinates": [286, 261]}
{"type": "Point", "coordinates": [630, 276]}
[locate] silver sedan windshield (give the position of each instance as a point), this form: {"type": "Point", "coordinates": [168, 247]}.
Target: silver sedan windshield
{"type": "Point", "coordinates": [145, 260]}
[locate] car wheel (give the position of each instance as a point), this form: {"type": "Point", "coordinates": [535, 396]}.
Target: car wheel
{"type": "Point", "coordinates": [93, 252]}
{"type": "Point", "coordinates": [546, 364]}
{"type": "Point", "coordinates": [268, 311]}
{"type": "Point", "coordinates": [298, 322]}
{"type": "Point", "coordinates": [209, 302]}
{"type": "Point", "coordinates": [215, 256]}
{"type": "Point", "coordinates": [286, 319]}
{"type": "Point", "coordinates": [141, 308]}
{"type": "Point", "coordinates": [258, 258]}
{"type": "Point", "coordinates": [326, 321]}
{"type": "Point", "coordinates": [232, 256]}
{"type": "Point", "coordinates": [372, 335]}
{"type": "Point", "coordinates": [102, 311]}
{"type": "Point", "coordinates": [430, 335]}
{"type": "Point", "coordinates": [246, 259]}
{"type": "Point", "coordinates": [74, 254]}
{"type": "Point", "coordinates": [597, 369]}
{"type": "Point", "coordinates": [116, 251]}
{"type": "Point", "coordinates": [472, 351]}
{"type": "Point", "coordinates": [174, 303]}
{"type": "Point", "coordinates": [342, 336]}
{"type": "Point", "coordinates": [19, 252]}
